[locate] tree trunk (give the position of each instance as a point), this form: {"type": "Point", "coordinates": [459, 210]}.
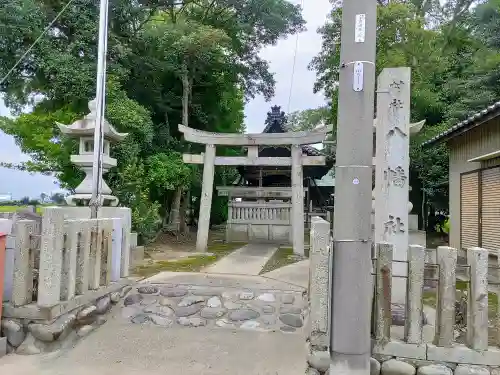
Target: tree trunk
{"type": "Point", "coordinates": [184, 228]}
{"type": "Point", "coordinates": [174, 212]}
{"type": "Point", "coordinates": [186, 94]}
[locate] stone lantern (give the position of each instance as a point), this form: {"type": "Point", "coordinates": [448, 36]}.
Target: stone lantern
{"type": "Point", "coordinates": [84, 130]}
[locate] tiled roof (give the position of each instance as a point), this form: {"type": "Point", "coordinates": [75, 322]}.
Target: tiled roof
{"type": "Point", "coordinates": [464, 125]}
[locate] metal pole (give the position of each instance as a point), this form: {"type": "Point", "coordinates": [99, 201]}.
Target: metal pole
{"type": "Point", "coordinates": [351, 277]}
{"type": "Point", "coordinates": [95, 201]}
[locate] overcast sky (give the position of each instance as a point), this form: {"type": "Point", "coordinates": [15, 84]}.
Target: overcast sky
{"type": "Point", "coordinates": [20, 184]}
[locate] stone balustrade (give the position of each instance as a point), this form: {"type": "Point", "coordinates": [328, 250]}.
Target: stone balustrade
{"type": "Point", "coordinates": [412, 349]}
{"type": "Point", "coordinates": [259, 221]}
{"type": "Point", "coordinates": [255, 211]}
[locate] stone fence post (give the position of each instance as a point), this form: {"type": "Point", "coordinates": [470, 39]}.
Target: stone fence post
{"type": "Point", "coordinates": [445, 311]}
{"type": "Point", "coordinates": [319, 281]}
{"type": "Point", "coordinates": [477, 311]}
{"type": "Point", "coordinates": [51, 257]}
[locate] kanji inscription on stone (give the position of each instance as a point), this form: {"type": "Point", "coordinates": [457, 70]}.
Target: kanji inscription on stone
{"type": "Point", "coordinates": [396, 177]}
{"type": "Point", "coordinates": [394, 225]}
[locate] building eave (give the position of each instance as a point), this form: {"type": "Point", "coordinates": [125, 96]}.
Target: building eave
{"type": "Point", "coordinates": [462, 127]}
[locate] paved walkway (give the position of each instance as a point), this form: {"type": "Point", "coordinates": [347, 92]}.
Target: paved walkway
{"type": "Point", "coordinates": [248, 260]}
{"type": "Point", "coordinates": [189, 323]}
{"type": "Point", "coordinates": [295, 273]}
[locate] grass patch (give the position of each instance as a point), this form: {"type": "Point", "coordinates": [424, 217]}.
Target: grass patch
{"type": "Point", "coordinates": [429, 299]}
{"type": "Point", "coordinates": [39, 209]}
{"type": "Point", "coordinates": [282, 257]}
{"type": "Point", "coordinates": [190, 264]}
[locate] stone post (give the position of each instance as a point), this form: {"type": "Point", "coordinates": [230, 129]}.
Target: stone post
{"type": "Point", "coordinates": [8, 268]}
{"type": "Point", "coordinates": [70, 255]}
{"type": "Point", "coordinates": [445, 310]}
{"type": "Point", "coordinates": [383, 292]}
{"type": "Point", "coordinates": [206, 198]}
{"type": "Point", "coordinates": [414, 313]}
{"type": "Point", "coordinates": [319, 280]}
{"type": "Point", "coordinates": [83, 259]}
{"type": "Point", "coordinates": [297, 200]}
{"type": "Point", "coordinates": [51, 257]}
{"type": "Point", "coordinates": [22, 286]}
{"type": "Point", "coordinates": [477, 304]}
{"type": "Point", "coordinates": [117, 249]}
{"type": "Point", "coordinates": [392, 169]}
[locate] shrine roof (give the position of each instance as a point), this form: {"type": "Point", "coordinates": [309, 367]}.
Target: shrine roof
{"type": "Point", "coordinates": [473, 121]}
{"type": "Point", "coordinates": [276, 122]}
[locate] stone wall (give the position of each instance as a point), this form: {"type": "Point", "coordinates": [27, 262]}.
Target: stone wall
{"type": "Point", "coordinates": [28, 335]}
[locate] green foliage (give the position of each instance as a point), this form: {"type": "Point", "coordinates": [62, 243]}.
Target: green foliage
{"type": "Point", "coordinates": [133, 191]}
{"type": "Point", "coordinates": [192, 62]}
{"type": "Point", "coordinates": [167, 171]}
{"type": "Point", "coordinates": [454, 53]}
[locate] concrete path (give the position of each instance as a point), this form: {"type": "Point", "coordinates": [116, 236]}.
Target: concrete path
{"type": "Point", "coordinates": [127, 349]}
{"type": "Point", "coordinates": [189, 323]}
{"type": "Point", "coordinates": [296, 273]}
{"type": "Point", "coordinates": [248, 260]}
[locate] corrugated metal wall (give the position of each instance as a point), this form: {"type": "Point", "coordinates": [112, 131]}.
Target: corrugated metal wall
{"type": "Point", "coordinates": [479, 141]}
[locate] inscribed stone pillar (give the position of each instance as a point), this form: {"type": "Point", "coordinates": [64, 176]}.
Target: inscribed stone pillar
{"type": "Point", "coordinates": [392, 169]}
{"type": "Point", "coordinates": [206, 198]}
{"type": "Point", "coordinates": [297, 200]}
{"type": "Point", "coordinates": [51, 257]}
{"type": "Point", "coordinates": [6, 228]}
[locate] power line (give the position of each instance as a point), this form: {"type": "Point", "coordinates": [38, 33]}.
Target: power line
{"type": "Point", "coordinates": [294, 63]}
{"type": "Point", "coordinates": [36, 41]}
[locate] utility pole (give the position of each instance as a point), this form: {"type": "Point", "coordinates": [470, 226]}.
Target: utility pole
{"type": "Point", "coordinates": [96, 200]}
{"type": "Point", "coordinates": [351, 290]}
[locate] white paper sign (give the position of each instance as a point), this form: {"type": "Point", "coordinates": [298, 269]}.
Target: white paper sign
{"type": "Point", "coordinates": [360, 28]}
{"type": "Point", "coordinates": [357, 79]}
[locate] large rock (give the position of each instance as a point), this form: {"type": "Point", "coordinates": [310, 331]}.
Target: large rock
{"type": "Point", "coordinates": [395, 367]}
{"type": "Point", "coordinates": [319, 360]}
{"type": "Point", "coordinates": [103, 304]}
{"type": "Point", "coordinates": [115, 297]}
{"type": "Point", "coordinates": [243, 314]}
{"type": "Point", "coordinates": [54, 331]}
{"type": "Point", "coordinates": [292, 320]}
{"type": "Point", "coordinates": [374, 367]}
{"type": "Point", "coordinates": [173, 292]}
{"type": "Point", "coordinates": [190, 300]}
{"type": "Point", "coordinates": [133, 299]}
{"type": "Point", "coordinates": [183, 311]}
{"type": "Point", "coordinates": [471, 370]}
{"type": "Point", "coordinates": [148, 289]}
{"type": "Point", "coordinates": [312, 371]}
{"type": "Point", "coordinates": [28, 346]}
{"type": "Point", "coordinates": [14, 332]}
{"type": "Point", "coordinates": [164, 311]}
{"type": "Point", "coordinates": [434, 370]}
{"type": "Point", "coordinates": [212, 312]}
{"type": "Point", "coordinates": [191, 322]}
{"type": "Point", "coordinates": [214, 302]}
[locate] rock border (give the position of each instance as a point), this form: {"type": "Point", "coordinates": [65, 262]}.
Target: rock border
{"type": "Point", "coordinates": [28, 336]}
{"type": "Point", "coordinates": [318, 363]}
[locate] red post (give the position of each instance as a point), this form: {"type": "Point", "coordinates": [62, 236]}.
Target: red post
{"type": "Point", "coordinates": [3, 240]}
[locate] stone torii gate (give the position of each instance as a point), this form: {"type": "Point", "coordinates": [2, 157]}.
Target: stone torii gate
{"type": "Point", "coordinates": [252, 141]}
